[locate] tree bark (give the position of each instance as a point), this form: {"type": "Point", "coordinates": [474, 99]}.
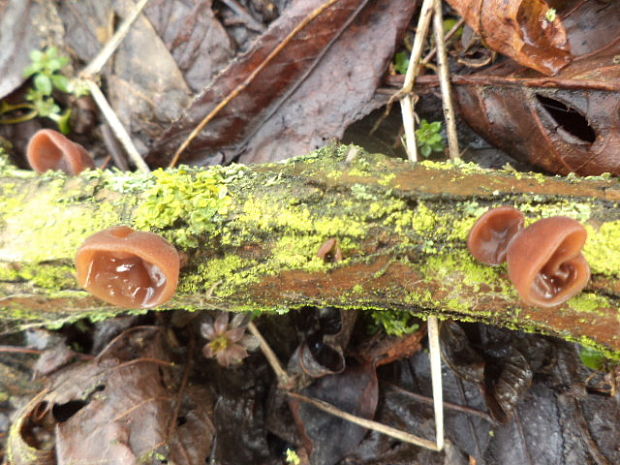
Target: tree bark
{"type": "Point", "coordinates": [250, 236]}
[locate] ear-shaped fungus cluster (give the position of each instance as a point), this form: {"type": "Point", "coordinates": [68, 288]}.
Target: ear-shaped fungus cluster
{"type": "Point", "coordinates": [545, 262]}
{"type": "Point", "coordinates": [50, 150]}
{"type": "Point", "coordinates": [131, 269]}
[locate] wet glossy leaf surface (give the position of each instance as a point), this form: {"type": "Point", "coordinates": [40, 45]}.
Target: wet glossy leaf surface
{"type": "Point", "coordinates": [287, 106]}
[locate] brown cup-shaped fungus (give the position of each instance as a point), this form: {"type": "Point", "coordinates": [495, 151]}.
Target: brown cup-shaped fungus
{"type": "Point", "coordinates": [545, 262]}
{"type": "Point", "coordinates": [50, 150]}
{"type": "Point", "coordinates": [127, 268]}
{"type": "Point", "coordinates": [489, 238]}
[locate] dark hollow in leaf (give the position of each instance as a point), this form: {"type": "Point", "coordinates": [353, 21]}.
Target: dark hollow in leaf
{"type": "Point", "coordinates": [570, 121]}
{"type": "Point", "coordinates": [319, 359]}
{"type": "Point", "coordinates": [330, 320]}
{"type": "Point", "coordinates": [62, 412]}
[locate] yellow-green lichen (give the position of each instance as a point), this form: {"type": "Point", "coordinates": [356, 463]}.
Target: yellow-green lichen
{"type": "Point", "coordinates": [49, 276]}
{"type": "Point", "coordinates": [589, 302]}
{"type": "Point", "coordinates": [68, 220]}
{"type": "Point", "coordinates": [580, 211]}
{"type": "Point", "coordinates": [220, 276]}
{"type": "Point", "coordinates": [602, 248]}
{"type": "Point", "coordinates": [186, 203]}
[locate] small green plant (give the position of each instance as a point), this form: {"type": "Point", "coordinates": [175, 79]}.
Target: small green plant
{"type": "Point", "coordinates": [401, 62]}
{"type": "Point", "coordinates": [429, 138]}
{"type": "Point", "coordinates": [292, 457]}
{"type": "Point", "coordinates": [45, 70]}
{"type": "Point", "coordinates": [593, 359]}
{"type": "Point", "coordinates": [393, 322]}
{"type": "Point", "coordinates": [551, 15]}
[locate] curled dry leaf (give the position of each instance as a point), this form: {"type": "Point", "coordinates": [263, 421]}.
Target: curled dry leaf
{"type": "Point", "coordinates": [520, 29]}
{"type": "Point", "coordinates": [116, 409]}
{"type": "Point", "coordinates": [569, 123]}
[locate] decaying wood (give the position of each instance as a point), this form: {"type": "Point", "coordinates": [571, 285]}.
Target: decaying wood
{"type": "Point", "coordinates": [251, 236]}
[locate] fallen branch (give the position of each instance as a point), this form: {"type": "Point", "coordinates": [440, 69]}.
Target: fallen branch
{"type": "Point", "coordinates": [252, 235]}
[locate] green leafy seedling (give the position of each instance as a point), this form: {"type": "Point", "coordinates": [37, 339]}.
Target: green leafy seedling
{"type": "Point", "coordinates": [393, 322]}
{"type": "Point", "coordinates": [401, 62]}
{"type": "Point", "coordinates": [45, 70]}
{"type": "Point", "coordinates": [593, 359]}
{"type": "Point", "coordinates": [429, 138]}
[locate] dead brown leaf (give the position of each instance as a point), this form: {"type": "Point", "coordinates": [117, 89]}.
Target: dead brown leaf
{"type": "Point", "coordinates": [307, 77]}
{"type": "Point", "coordinates": [117, 409]}
{"type": "Point", "coordinates": [176, 49]}
{"type": "Point", "coordinates": [569, 123]}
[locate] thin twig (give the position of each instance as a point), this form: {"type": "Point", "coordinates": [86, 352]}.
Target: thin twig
{"type": "Point", "coordinates": [446, 405]}
{"type": "Point", "coordinates": [284, 380]}
{"type": "Point", "coordinates": [435, 357]}
{"type": "Point", "coordinates": [97, 63]}
{"type": "Point", "coordinates": [373, 425]}
{"type": "Point", "coordinates": [407, 100]}
{"type": "Point", "coordinates": [246, 82]}
{"type": "Point", "coordinates": [421, 34]}
{"type": "Point", "coordinates": [444, 81]}
{"type": "Point", "coordinates": [88, 78]}
{"type": "Point", "coordinates": [429, 56]}
{"type": "Point", "coordinates": [116, 125]}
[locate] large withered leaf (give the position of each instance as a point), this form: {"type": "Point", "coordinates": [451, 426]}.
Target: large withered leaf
{"type": "Point", "coordinates": [519, 29]}
{"type": "Point", "coordinates": [569, 123]}
{"type": "Point", "coordinates": [286, 97]}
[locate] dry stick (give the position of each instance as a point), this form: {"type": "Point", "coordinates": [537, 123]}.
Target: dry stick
{"type": "Point", "coordinates": [373, 425]}
{"type": "Point", "coordinates": [444, 81]}
{"type": "Point", "coordinates": [88, 78]}
{"type": "Point", "coordinates": [428, 8]}
{"type": "Point", "coordinates": [429, 400]}
{"type": "Point", "coordinates": [435, 358]}
{"type": "Point", "coordinates": [284, 380]}
{"type": "Point", "coordinates": [97, 63]}
{"type": "Point", "coordinates": [429, 56]}
{"type": "Point", "coordinates": [237, 90]}
{"type": "Point", "coordinates": [115, 123]}
{"type": "Point", "coordinates": [406, 102]}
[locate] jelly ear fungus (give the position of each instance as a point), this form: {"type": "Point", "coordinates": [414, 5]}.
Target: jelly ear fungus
{"type": "Point", "coordinates": [50, 150]}
{"type": "Point", "coordinates": [544, 260]}
{"type": "Point", "coordinates": [127, 268]}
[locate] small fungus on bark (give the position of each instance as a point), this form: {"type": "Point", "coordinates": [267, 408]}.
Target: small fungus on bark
{"type": "Point", "coordinates": [50, 150]}
{"type": "Point", "coordinates": [489, 238]}
{"type": "Point", "coordinates": [127, 268]}
{"type": "Point", "coordinates": [545, 262]}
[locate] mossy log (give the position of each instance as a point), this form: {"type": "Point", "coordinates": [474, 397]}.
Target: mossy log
{"type": "Point", "coordinates": [251, 236]}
